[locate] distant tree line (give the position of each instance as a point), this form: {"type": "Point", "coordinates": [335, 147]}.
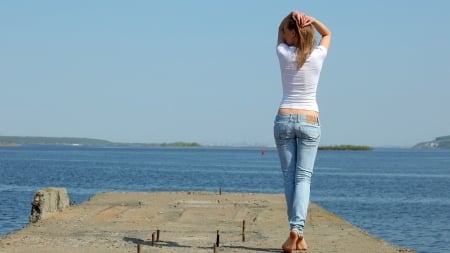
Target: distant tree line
{"type": "Point", "coordinates": [346, 147]}
{"type": "Point", "coordinates": [27, 140]}
{"type": "Point", "coordinates": [180, 144]}
{"type": "Point", "coordinates": [69, 141]}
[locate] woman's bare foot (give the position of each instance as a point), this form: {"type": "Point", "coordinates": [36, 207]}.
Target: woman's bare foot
{"type": "Point", "coordinates": [291, 243]}
{"type": "Point", "coordinates": [301, 243]}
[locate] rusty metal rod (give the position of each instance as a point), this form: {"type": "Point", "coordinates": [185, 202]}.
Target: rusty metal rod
{"type": "Point", "coordinates": [217, 239]}
{"type": "Point", "coordinates": [243, 230]}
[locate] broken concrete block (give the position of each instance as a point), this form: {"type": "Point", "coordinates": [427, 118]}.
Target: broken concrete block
{"type": "Point", "coordinates": [48, 201]}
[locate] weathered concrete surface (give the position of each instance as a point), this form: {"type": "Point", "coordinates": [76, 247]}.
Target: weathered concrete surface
{"type": "Point", "coordinates": [188, 222]}
{"type": "Point", "coordinates": [48, 201]}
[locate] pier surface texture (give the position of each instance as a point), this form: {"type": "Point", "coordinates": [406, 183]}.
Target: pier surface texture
{"type": "Point", "coordinates": [186, 222]}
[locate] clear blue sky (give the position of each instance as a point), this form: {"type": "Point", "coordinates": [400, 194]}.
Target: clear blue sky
{"type": "Point", "coordinates": [206, 71]}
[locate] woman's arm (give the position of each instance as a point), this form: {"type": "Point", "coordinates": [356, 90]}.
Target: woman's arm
{"type": "Point", "coordinates": [323, 30]}
{"type": "Point", "coordinates": [280, 34]}
{"type": "Point", "coordinates": [281, 31]}
{"type": "Point", "coordinates": [305, 20]}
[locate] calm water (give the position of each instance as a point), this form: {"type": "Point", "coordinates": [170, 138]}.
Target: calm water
{"type": "Point", "coordinates": [400, 195]}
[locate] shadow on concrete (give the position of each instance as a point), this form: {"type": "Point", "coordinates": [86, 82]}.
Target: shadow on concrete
{"type": "Point", "coordinates": [157, 244]}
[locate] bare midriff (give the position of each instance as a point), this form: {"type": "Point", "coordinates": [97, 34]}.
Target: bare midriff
{"type": "Point", "coordinates": [311, 116]}
{"type": "Point", "coordinates": [298, 111]}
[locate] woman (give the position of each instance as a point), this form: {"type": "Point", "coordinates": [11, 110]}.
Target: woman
{"type": "Point", "coordinates": [296, 127]}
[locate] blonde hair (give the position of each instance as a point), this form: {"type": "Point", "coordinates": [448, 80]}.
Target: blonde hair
{"type": "Point", "coordinates": [305, 39]}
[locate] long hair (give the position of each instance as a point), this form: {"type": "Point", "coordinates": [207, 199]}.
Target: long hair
{"type": "Point", "coordinates": [306, 40]}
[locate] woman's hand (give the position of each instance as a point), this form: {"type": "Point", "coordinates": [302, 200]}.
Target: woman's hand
{"type": "Point", "coordinates": [302, 19]}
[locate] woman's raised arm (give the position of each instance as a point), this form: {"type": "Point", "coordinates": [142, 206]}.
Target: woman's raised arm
{"type": "Point", "coordinates": [323, 30]}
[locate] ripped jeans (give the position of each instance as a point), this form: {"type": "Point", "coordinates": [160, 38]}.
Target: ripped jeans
{"type": "Point", "coordinates": [297, 139]}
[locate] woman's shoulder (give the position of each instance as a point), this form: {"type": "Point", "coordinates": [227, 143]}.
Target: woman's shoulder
{"type": "Point", "coordinates": [284, 48]}
{"type": "Point", "coordinates": [320, 50]}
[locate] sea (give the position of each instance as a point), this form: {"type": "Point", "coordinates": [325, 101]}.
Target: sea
{"type": "Point", "coordinates": [400, 195]}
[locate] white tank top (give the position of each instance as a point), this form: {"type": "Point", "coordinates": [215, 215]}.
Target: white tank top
{"type": "Point", "coordinates": [300, 86]}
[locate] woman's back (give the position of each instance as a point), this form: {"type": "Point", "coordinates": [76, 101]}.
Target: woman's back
{"type": "Point", "coordinates": [300, 85]}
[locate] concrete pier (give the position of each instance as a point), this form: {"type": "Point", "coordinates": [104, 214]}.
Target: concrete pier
{"type": "Point", "coordinates": [186, 222]}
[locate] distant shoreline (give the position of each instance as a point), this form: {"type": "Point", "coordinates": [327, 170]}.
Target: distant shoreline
{"type": "Point", "coordinates": [15, 141]}
{"type": "Point", "coordinates": [346, 147]}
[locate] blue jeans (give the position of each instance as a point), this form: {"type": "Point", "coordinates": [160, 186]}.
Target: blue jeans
{"type": "Point", "coordinates": [297, 139]}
